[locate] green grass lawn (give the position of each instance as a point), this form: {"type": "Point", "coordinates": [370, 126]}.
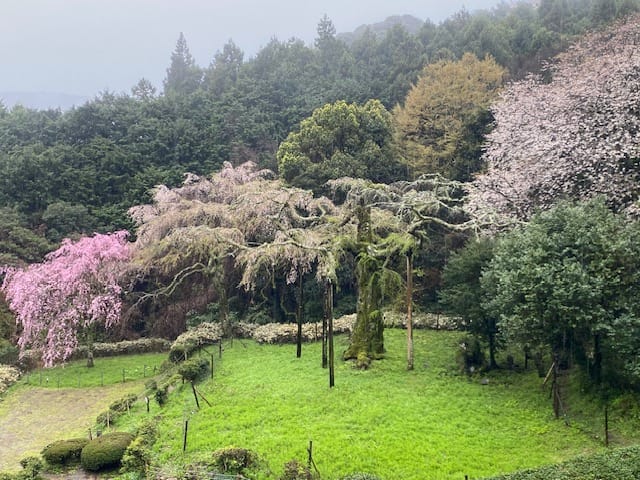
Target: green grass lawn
{"type": "Point", "coordinates": [106, 371]}
{"type": "Point", "coordinates": [427, 423]}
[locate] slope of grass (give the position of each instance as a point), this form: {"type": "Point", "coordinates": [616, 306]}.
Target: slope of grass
{"type": "Point", "coordinates": [106, 371]}
{"type": "Point", "coordinates": [427, 423]}
{"type": "Point", "coordinates": [47, 405]}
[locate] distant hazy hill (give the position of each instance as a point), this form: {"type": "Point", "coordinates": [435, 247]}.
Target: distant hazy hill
{"type": "Point", "coordinates": [410, 23]}
{"type": "Point", "coordinates": [42, 100]}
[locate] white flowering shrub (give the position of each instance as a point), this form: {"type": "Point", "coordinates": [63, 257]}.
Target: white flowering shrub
{"type": "Point", "coordinates": [8, 376]}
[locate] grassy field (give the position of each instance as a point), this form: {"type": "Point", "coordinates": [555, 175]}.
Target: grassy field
{"type": "Point", "coordinates": [32, 416]}
{"type": "Point", "coordinates": [428, 423]}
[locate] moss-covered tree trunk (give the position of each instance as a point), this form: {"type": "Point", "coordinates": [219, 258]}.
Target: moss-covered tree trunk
{"type": "Point", "coordinates": [299, 312]}
{"type": "Point", "coordinates": [367, 338]}
{"type": "Point", "coordinates": [409, 311]}
{"type": "Point", "coordinates": [330, 334]}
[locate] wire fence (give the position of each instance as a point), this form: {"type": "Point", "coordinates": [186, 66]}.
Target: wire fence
{"type": "Point", "coordinates": [89, 377]}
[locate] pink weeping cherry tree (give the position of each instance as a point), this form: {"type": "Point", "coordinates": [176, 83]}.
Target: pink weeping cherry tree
{"type": "Point", "coordinates": [570, 135]}
{"type": "Point", "coordinates": [61, 299]}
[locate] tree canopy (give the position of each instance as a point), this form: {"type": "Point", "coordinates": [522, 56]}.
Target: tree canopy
{"type": "Point", "coordinates": [77, 286]}
{"type": "Point", "coordinates": [442, 123]}
{"type": "Point", "coordinates": [569, 132]}
{"type": "Point", "coordinates": [340, 140]}
{"type": "Point", "coordinates": [566, 283]}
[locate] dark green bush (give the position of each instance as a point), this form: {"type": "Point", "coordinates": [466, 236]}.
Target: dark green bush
{"type": "Point", "coordinates": [620, 464]}
{"type": "Point", "coordinates": [234, 460]}
{"type": "Point", "coordinates": [8, 352]}
{"type": "Point", "coordinates": [190, 370]}
{"type": "Point", "coordinates": [64, 452]}
{"type": "Point", "coordinates": [137, 456]}
{"type": "Point", "coordinates": [470, 354]}
{"type": "Point", "coordinates": [296, 470]}
{"type": "Point", "coordinates": [32, 466]}
{"type": "Point", "coordinates": [161, 395]}
{"type": "Point", "coordinates": [105, 451]}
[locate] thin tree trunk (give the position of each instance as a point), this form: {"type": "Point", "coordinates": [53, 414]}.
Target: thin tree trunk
{"type": "Point", "coordinates": [299, 316]}
{"type": "Point", "coordinates": [325, 319]}
{"type": "Point", "coordinates": [330, 339]}
{"type": "Point", "coordinates": [409, 311]}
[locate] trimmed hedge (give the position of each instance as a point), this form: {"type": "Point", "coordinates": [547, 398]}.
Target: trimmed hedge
{"type": "Point", "coordinates": [105, 451]}
{"type": "Point", "coordinates": [193, 339]}
{"type": "Point", "coordinates": [619, 464]}
{"type": "Point", "coordinates": [64, 452]}
{"type": "Point", "coordinates": [190, 370]}
{"type": "Point", "coordinates": [126, 347]}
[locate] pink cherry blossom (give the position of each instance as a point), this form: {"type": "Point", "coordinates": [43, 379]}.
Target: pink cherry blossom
{"type": "Point", "coordinates": [75, 287]}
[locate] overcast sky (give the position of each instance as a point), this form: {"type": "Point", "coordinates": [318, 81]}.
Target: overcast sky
{"type": "Point", "coordinates": [87, 46]}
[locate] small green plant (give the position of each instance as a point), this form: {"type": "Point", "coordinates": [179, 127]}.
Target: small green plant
{"type": "Point", "coordinates": [234, 460]}
{"type": "Point", "coordinates": [296, 470]}
{"type": "Point", "coordinates": [161, 394]}
{"type": "Point", "coordinates": [123, 404]}
{"type": "Point", "coordinates": [32, 466]}
{"type": "Point", "coordinates": [190, 370]}
{"type": "Point", "coordinates": [105, 451]}
{"type": "Point", "coordinates": [470, 354]}
{"type": "Point", "coordinates": [64, 452]}
{"type": "Point", "coordinates": [137, 456]}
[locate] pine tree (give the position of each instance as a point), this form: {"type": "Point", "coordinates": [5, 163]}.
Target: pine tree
{"type": "Point", "coordinates": [183, 75]}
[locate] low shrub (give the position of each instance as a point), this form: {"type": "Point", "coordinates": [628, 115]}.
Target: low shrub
{"type": "Point", "coordinates": [193, 339]}
{"type": "Point", "coordinates": [470, 355]}
{"type": "Point", "coordinates": [288, 332]}
{"type": "Point", "coordinates": [105, 451]}
{"type": "Point", "coordinates": [123, 404]}
{"type": "Point", "coordinates": [296, 470]}
{"type": "Point", "coordinates": [234, 460]}
{"type": "Point", "coordinates": [8, 376]}
{"type": "Point", "coordinates": [137, 456]}
{"type": "Point", "coordinates": [115, 411]}
{"type": "Point", "coordinates": [31, 468]}
{"type": "Point", "coordinates": [190, 370]}
{"type": "Point", "coordinates": [107, 418]}
{"type": "Point", "coordinates": [126, 347]}
{"type": "Point", "coordinates": [620, 464]}
{"type": "Point", "coordinates": [64, 452]}
{"type": "Point", "coordinates": [161, 394]}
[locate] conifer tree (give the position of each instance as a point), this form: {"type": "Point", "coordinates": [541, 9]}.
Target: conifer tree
{"type": "Point", "coordinates": [183, 75]}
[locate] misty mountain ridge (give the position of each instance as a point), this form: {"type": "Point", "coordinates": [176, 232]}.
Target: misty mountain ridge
{"type": "Point", "coordinates": [42, 100]}
{"type": "Point", "coordinates": [410, 23]}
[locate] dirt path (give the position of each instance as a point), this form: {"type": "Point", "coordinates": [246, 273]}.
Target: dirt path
{"type": "Point", "coordinates": [33, 417]}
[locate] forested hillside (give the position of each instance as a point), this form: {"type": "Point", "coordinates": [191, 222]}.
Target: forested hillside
{"type": "Point", "coordinates": [79, 171]}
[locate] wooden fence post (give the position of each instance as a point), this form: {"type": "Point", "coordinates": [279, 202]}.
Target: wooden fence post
{"type": "Point", "coordinates": [184, 439]}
